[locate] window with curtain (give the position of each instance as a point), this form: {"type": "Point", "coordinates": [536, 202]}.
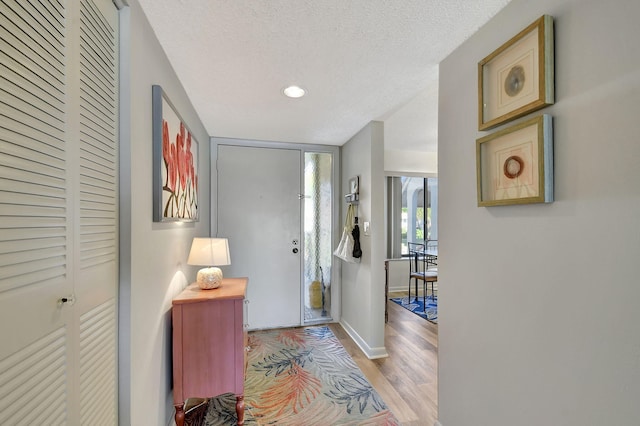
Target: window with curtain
{"type": "Point", "coordinates": [412, 204]}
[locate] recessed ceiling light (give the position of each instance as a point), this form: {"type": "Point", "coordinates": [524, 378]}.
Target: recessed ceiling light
{"type": "Point", "coordinates": [294, 92]}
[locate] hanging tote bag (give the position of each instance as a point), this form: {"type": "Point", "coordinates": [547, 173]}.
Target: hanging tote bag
{"type": "Point", "coordinates": [345, 248]}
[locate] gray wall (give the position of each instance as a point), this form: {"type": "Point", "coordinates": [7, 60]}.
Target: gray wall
{"type": "Point", "coordinates": [153, 264]}
{"type": "Point", "coordinates": [539, 303]}
{"type": "Point", "coordinates": [363, 283]}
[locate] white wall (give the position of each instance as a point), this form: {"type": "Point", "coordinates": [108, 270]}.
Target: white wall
{"type": "Point", "coordinates": [407, 163]}
{"type": "Point", "coordinates": [398, 274]}
{"type": "Point", "coordinates": [363, 283]}
{"type": "Point", "coordinates": [538, 321]}
{"type": "Point", "coordinates": [154, 255]}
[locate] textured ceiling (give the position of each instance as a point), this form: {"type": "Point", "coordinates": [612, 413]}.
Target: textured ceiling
{"type": "Point", "coordinates": [359, 60]}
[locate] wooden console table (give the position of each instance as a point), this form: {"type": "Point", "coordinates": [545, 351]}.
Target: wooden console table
{"type": "Point", "coordinates": [209, 344]}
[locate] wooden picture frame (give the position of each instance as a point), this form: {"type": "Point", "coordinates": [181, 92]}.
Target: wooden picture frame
{"type": "Point", "coordinates": [518, 77]}
{"type": "Point", "coordinates": [515, 165]}
{"type": "Point", "coordinates": [175, 163]}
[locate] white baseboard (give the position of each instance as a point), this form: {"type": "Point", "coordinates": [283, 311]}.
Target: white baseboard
{"type": "Point", "coordinates": [394, 289]}
{"type": "Point", "coordinates": [371, 353]}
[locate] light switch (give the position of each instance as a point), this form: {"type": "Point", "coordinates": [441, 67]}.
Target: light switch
{"type": "Point", "coordinates": [365, 226]}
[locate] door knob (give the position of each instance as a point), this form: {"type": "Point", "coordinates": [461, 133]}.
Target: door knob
{"type": "Point", "coordinates": [69, 300]}
{"type": "Point", "coordinates": [295, 250]}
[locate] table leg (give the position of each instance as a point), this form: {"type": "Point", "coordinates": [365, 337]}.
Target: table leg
{"type": "Point", "coordinates": [425, 287]}
{"type": "Point", "coordinates": [240, 409]}
{"type": "Point", "coordinates": [179, 414]}
{"type": "Point", "coordinates": [386, 290]}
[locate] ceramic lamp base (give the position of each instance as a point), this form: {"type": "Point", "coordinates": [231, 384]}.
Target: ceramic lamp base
{"type": "Point", "coordinates": [209, 278]}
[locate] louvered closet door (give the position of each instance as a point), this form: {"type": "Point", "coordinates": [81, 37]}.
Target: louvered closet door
{"type": "Point", "coordinates": [34, 202]}
{"type": "Point", "coordinates": [58, 212]}
{"type": "Point", "coordinates": [95, 229]}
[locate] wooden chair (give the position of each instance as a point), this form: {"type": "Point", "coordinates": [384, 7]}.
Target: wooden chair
{"type": "Point", "coordinates": [421, 268]}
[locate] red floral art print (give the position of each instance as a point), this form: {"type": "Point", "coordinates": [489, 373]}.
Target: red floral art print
{"type": "Point", "coordinates": [180, 173]}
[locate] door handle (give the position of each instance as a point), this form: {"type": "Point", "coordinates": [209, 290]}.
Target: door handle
{"type": "Point", "coordinates": [69, 300]}
{"type": "Point", "coordinates": [295, 250]}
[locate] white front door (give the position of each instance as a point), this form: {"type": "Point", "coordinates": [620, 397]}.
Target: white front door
{"type": "Point", "coordinates": [259, 211]}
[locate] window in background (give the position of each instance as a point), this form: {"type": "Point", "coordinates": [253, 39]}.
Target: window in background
{"type": "Point", "coordinates": [318, 196]}
{"type": "Point", "coordinates": [412, 212]}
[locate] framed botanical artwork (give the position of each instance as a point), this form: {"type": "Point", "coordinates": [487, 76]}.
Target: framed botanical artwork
{"type": "Point", "coordinates": [515, 165]}
{"type": "Point", "coordinates": [175, 163]}
{"type": "Point", "coordinates": [517, 78]}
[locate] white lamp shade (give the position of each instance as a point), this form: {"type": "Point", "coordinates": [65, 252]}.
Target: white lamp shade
{"type": "Point", "coordinates": [209, 252]}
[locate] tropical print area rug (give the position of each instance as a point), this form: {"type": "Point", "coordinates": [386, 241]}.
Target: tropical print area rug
{"type": "Point", "coordinates": [302, 376]}
{"type": "Point", "coordinates": [417, 307]}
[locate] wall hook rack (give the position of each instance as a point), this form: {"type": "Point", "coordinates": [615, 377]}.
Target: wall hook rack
{"type": "Point", "coordinates": [354, 190]}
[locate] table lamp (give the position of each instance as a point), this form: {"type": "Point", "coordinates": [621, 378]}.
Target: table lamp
{"type": "Point", "coordinates": [210, 252]}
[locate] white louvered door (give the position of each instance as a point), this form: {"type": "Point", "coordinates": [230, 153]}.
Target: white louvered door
{"type": "Point", "coordinates": [58, 212]}
{"type": "Point", "coordinates": [95, 230]}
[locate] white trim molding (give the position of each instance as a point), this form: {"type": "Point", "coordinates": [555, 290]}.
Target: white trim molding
{"type": "Point", "coordinates": [121, 4]}
{"type": "Point", "coordinates": [371, 353]}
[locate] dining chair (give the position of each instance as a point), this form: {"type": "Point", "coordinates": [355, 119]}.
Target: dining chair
{"type": "Point", "coordinates": [431, 247]}
{"type": "Point", "coordinates": [414, 266]}
{"type": "Point", "coordinates": [421, 268]}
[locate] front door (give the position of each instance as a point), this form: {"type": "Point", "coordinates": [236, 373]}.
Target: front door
{"type": "Point", "coordinates": [259, 211]}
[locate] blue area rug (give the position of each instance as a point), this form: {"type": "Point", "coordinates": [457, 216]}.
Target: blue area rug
{"type": "Point", "coordinates": [417, 307]}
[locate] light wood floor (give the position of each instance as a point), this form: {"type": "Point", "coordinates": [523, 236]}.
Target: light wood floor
{"type": "Point", "coordinates": [407, 379]}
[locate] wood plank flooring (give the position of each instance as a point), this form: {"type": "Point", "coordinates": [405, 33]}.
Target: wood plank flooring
{"type": "Point", "coordinates": [407, 379]}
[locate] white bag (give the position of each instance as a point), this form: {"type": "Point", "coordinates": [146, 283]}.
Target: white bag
{"type": "Point", "coordinates": [345, 248]}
